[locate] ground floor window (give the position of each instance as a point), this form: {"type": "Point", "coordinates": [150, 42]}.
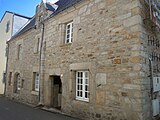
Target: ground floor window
{"type": "Point", "coordinates": [10, 78]}
{"type": "Point", "coordinates": [82, 85]}
{"type": "Point", "coordinates": [36, 81]}
{"type": "Point", "coordinates": [17, 84]}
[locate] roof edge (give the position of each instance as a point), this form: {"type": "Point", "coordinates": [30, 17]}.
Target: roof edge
{"type": "Point", "coordinates": [14, 14]}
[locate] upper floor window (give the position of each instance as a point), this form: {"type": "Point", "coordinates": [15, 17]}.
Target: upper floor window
{"type": "Point", "coordinates": [37, 46]}
{"type": "Point", "coordinates": [19, 54]}
{"type": "Point", "coordinates": [82, 85]}
{"type": "Point", "coordinates": [7, 26]}
{"type": "Point", "coordinates": [69, 33]}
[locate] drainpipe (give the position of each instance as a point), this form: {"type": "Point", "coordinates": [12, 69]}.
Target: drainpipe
{"type": "Point", "coordinates": [151, 77]}
{"type": "Point", "coordinates": [150, 7]}
{"type": "Point", "coordinates": [41, 68]}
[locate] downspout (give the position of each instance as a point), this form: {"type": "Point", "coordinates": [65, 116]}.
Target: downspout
{"type": "Point", "coordinates": [151, 77]}
{"type": "Point", "coordinates": [150, 7]}
{"type": "Point", "coordinates": [41, 68]}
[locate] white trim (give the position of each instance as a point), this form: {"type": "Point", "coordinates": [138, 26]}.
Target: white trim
{"type": "Point", "coordinates": [36, 82]}
{"type": "Point", "coordinates": [18, 82]}
{"type": "Point", "coordinates": [70, 39]}
{"type": "Point", "coordinates": [83, 84]}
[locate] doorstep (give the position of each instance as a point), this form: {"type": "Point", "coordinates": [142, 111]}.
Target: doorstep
{"type": "Point", "coordinates": [52, 110]}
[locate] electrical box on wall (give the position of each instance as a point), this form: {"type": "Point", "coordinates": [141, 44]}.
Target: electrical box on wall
{"type": "Point", "coordinates": [156, 84]}
{"type": "Point", "coordinates": [155, 107]}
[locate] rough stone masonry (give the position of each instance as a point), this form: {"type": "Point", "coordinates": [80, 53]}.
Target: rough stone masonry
{"type": "Point", "coordinates": [110, 41]}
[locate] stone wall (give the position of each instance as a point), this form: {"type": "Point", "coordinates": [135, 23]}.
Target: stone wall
{"type": "Point", "coordinates": [109, 42]}
{"type": "Point", "coordinates": [25, 66]}
{"type": "Point", "coordinates": [150, 40]}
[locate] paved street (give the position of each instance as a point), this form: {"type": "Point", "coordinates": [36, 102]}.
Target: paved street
{"type": "Point", "coordinates": [10, 110]}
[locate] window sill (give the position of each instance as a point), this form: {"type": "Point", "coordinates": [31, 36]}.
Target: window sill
{"type": "Point", "coordinates": [35, 93]}
{"type": "Point", "coordinates": [66, 44]}
{"type": "Point", "coordinates": [82, 100]}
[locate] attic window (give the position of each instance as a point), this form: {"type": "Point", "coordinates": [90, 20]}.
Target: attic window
{"type": "Point", "coordinates": [7, 26]}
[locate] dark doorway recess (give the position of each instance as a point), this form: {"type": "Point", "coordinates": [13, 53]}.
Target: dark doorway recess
{"type": "Point", "coordinates": [56, 91]}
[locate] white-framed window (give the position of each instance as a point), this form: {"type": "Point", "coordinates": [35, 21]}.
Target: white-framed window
{"type": "Point", "coordinates": [18, 82]}
{"type": "Point", "coordinates": [36, 81]}
{"type": "Point", "coordinates": [69, 32]}
{"type": "Point", "coordinates": [82, 85]}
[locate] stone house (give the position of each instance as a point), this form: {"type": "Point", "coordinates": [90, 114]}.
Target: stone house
{"type": "Point", "coordinates": [9, 25]}
{"type": "Point", "coordinates": [92, 59]}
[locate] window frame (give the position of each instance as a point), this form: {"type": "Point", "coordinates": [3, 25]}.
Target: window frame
{"type": "Point", "coordinates": [83, 84]}
{"type": "Point", "coordinates": [36, 81]}
{"type": "Point", "coordinates": [69, 39]}
{"type": "Point", "coordinates": [18, 81]}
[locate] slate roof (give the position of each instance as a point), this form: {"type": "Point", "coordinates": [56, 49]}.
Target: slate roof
{"type": "Point", "coordinates": [14, 14]}
{"type": "Point", "coordinates": [50, 6]}
{"type": "Point", "coordinates": [62, 5]}
{"type": "Point", "coordinates": [27, 26]}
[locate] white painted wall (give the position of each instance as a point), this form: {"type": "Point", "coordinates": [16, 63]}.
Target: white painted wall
{"type": "Point", "coordinates": [16, 22]}
{"type": "Point", "coordinates": [3, 38]}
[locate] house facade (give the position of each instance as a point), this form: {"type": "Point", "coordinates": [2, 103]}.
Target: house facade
{"type": "Point", "coordinates": [92, 59]}
{"type": "Point", "coordinates": [9, 25]}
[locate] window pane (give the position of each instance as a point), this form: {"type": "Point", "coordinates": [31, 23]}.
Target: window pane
{"type": "Point", "coordinates": [80, 93]}
{"type": "Point", "coordinates": [81, 81]}
{"type": "Point", "coordinates": [77, 93]}
{"type": "Point", "coordinates": [67, 41]}
{"type": "Point", "coordinates": [86, 74]}
{"type": "Point", "coordinates": [81, 87]}
{"type": "Point", "coordinates": [86, 81]}
{"type": "Point", "coordinates": [86, 88]}
{"type": "Point", "coordinates": [68, 31]}
{"type": "Point", "coordinates": [68, 26]}
{"type": "Point", "coordinates": [78, 87]}
{"type": "Point", "coordinates": [80, 74]}
{"type": "Point", "coordinates": [67, 36]}
{"type": "Point", "coordinates": [86, 94]}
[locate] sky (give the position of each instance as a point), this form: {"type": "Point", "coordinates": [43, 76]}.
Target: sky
{"type": "Point", "coordinates": [22, 7]}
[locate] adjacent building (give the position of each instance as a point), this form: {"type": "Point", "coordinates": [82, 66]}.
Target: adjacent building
{"type": "Point", "coordinates": [9, 25]}
{"type": "Point", "coordinates": [92, 59]}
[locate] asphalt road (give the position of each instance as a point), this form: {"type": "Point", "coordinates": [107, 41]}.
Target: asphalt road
{"type": "Point", "coordinates": [10, 110]}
